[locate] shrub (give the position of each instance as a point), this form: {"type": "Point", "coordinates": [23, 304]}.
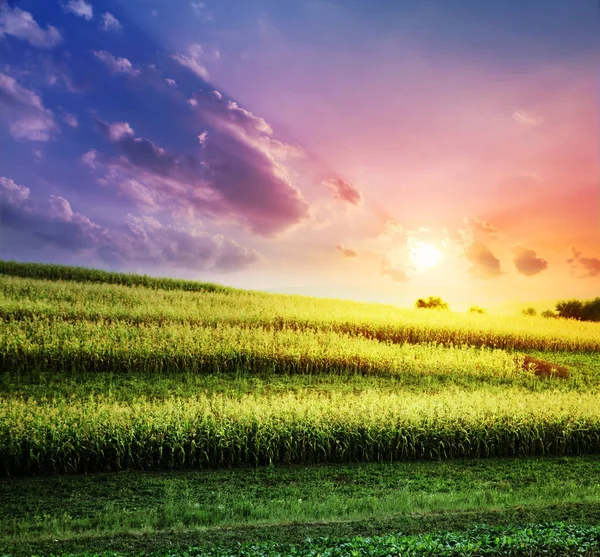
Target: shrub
{"type": "Point", "coordinates": [433, 302]}
{"type": "Point", "coordinates": [476, 309]}
{"type": "Point", "coordinates": [570, 309]}
{"type": "Point", "coordinates": [530, 312]}
{"type": "Point", "coordinates": [549, 314]}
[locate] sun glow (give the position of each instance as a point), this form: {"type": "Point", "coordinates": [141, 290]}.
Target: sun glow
{"type": "Point", "coordinates": [425, 256]}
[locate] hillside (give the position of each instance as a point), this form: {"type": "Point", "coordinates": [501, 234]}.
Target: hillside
{"type": "Point", "coordinates": [313, 410]}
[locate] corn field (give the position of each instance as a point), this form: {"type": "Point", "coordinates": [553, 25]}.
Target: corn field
{"type": "Point", "coordinates": [436, 385]}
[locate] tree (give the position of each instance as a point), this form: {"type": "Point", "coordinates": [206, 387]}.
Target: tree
{"type": "Point", "coordinates": [591, 310]}
{"type": "Point", "coordinates": [570, 309]}
{"type": "Point", "coordinates": [433, 302]}
{"type": "Point", "coordinates": [530, 312]}
{"type": "Point", "coordinates": [549, 314]}
{"type": "Point", "coordinates": [476, 309]}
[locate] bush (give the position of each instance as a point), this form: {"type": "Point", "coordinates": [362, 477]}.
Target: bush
{"type": "Point", "coordinates": [433, 302]}
{"type": "Point", "coordinates": [476, 309]}
{"type": "Point", "coordinates": [549, 314]}
{"type": "Point", "coordinates": [570, 309]}
{"type": "Point", "coordinates": [530, 312]}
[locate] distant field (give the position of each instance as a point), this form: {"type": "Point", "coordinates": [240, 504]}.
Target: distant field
{"type": "Point", "coordinates": [102, 372]}
{"type": "Point", "coordinates": [425, 384]}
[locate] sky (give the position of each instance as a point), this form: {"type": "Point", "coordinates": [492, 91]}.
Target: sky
{"type": "Point", "coordinates": [371, 150]}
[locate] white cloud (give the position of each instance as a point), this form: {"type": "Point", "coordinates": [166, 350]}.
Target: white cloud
{"type": "Point", "coordinates": [171, 82]}
{"type": "Point", "coordinates": [20, 24]}
{"type": "Point", "coordinates": [526, 119]}
{"type": "Point", "coordinates": [202, 138]}
{"type": "Point", "coordinates": [119, 130]}
{"type": "Point", "coordinates": [71, 120]}
{"type": "Point", "coordinates": [193, 61]}
{"type": "Point", "coordinates": [116, 64]}
{"type": "Point", "coordinates": [80, 8]}
{"type": "Point", "coordinates": [111, 23]}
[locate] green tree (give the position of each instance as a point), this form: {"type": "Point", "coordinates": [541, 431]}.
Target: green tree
{"type": "Point", "coordinates": [570, 309]}
{"type": "Point", "coordinates": [433, 302]}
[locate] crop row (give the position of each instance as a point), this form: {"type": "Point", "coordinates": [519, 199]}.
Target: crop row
{"type": "Point", "coordinates": [44, 346]}
{"type": "Point", "coordinates": [64, 436]}
{"type": "Point", "coordinates": [26, 299]}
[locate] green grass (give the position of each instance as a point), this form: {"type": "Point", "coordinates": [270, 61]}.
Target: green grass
{"type": "Point", "coordinates": [215, 503]}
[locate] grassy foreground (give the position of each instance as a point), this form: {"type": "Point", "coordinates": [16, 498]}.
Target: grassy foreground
{"type": "Point", "coordinates": [285, 505]}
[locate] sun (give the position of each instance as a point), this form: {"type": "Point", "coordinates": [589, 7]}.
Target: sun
{"type": "Point", "coordinates": [425, 256]}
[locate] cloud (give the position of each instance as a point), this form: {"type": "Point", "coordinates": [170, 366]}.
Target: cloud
{"type": "Point", "coordinates": [525, 119]}
{"type": "Point", "coordinates": [139, 193]}
{"type": "Point", "coordinates": [70, 120]}
{"type": "Point", "coordinates": [119, 130]}
{"type": "Point", "coordinates": [111, 23]}
{"type": "Point", "coordinates": [346, 251]}
{"type": "Point", "coordinates": [199, 8]}
{"type": "Point", "coordinates": [59, 225]}
{"type": "Point", "coordinates": [482, 227]}
{"type": "Point", "coordinates": [483, 262]}
{"type": "Point", "coordinates": [193, 61]}
{"type": "Point", "coordinates": [171, 82]}
{"type": "Point", "coordinates": [20, 24]}
{"type": "Point", "coordinates": [583, 267]}
{"type": "Point", "coordinates": [80, 8]}
{"type": "Point", "coordinates": [24, 112]}
{"type": "Point", "coordinates": [202, 138]}
{"type": "Point", "coordinates": [343, 190]}
{"type": "Point", "coordinates": [393, 270]}
{"type": "Point", "coordinates": [235, 177]}
{"type": "Point", "coordinates": [142, 240]}
{"type": "Point", "coordinates": [115, 64]}
{"type": "Point", "coordinates": [527, 262]}
{"type": "Point", "coordinates": [149, 241]}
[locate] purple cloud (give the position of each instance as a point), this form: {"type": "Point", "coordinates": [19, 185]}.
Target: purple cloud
{"type": "Point", "coordinates": [21, 25]}
{"type": "Point", "coordinates": [346, 251]}
{"type": "Point", "coordinates": [527, 262]}
{"type": "Point", "coordinates": [59, 225]}
{"type": "Point", "coordinates": [24, 112]}
{"type": "Point", "coordinates": [79, 8]}
{"type": "Point", "coordinates": [343, 190]}
{"type": "Point", "coordinates": [149, 241]}
{"type": "Point", "coordinates": [141, 240]}
{"type": "Point", "coordinates": [234, 176]}
{"type": "Point", "coordinates": [115, 64]}
{"type": "Point", "coordinates": [583, 267]}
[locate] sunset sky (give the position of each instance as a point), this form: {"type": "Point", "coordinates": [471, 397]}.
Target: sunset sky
{"type": "Point", "coordinates": [372, 150]}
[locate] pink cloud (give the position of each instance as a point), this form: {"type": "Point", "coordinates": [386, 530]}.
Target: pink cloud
{"type": "Point", "coordinates": [346, 251]}
{"type": "Point", "coordinates": [344, 191]}
{"type": "Point", "coordinates": [527, 262]}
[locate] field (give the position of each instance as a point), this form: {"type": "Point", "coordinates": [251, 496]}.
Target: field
{"type": "Point", "coordinates": [235, 415]}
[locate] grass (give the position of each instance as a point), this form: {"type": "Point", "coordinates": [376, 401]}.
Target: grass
{"type": "Point", "coordinates": [213, 503]}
